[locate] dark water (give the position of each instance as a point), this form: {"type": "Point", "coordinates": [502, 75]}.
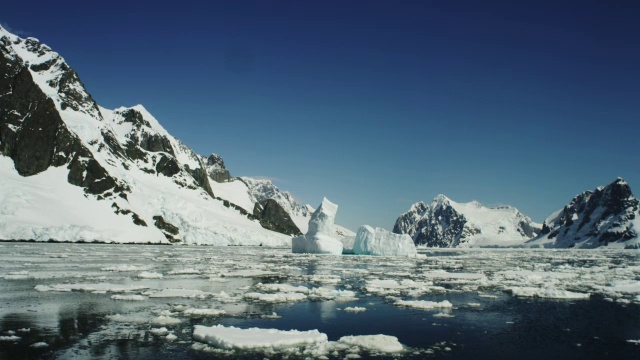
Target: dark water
{"type": "Point", "coordinates": [74, 324]}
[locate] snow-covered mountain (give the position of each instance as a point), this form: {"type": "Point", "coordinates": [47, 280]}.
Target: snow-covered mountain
{"type": "Point", "coordinates": [71, 170]}
{"type": "Point", "coordinates": [607, 216]}
{"type": "Point", "coordinates": [446, 223]}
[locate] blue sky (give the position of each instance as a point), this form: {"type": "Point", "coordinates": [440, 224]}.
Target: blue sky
{"type": "Point", "coordinates": [375, 104]}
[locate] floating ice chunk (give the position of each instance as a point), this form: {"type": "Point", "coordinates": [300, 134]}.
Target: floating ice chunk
{"type": "Point", "coordinates": [184, 272]}
{"type": "Point", "coordinates": [424, 304]}
{"type": "Point", "coordinates": [355, 309]}
{"type": "Point", "coordinates": [275, 297]}
{"type": "Point", "coordinates": [273, 315]}
{"type": "Point", "coordinates": [282, 288]}
{"type": "Point", "coordinates": [39, 345]}
{"type": "Point", "coordinates": [150, 275]}
{"type": "Point", "coordinates": [16, 275]}
{"type": "Point", "coordinates": [129, 297]}
{"type": "Point", "coordinates": [256, 338]}
{"type": "Point", "coordinates": [96, 288]}
{"type": "Point", "coordinates": [324, 279]}
{"type": "Point", "coordinates": [10, 338]}
{"type": "Point", "coordinates": [171, 337]}
{"type": "Point", "coordinates": [183, 293]}
{"type": "Point", "coordinates": [441, 274]}
{"type": "Point", "coordinates": [204, 312]}
{"type": "Point", "coordinates": [24, 330]}
{"type": "Point", "coordinates": [635, 342]}
{"type": "Point", "coordinates": [319, 238]}
{"type": "Point", "coordinates": [547, 293]}
{"type": "Point", "coordinates": [249, 273]}
{"type": "Point", "coordinates": [443, 315]}
{"type": "Point", "coordinates": [380, 242]}
{"type": "Point", "coordinates": [159, 331]}
{"type": "Point", "coordinates": [164, 321]}
{"type": "Point", "coordinates": [381, 343]}
{"type": "Point", "coordinates": [124, 268]}
{"type": "Point", "coordinates": [326, 293]}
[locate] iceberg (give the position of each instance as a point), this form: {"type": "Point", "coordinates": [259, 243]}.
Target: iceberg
{"type": "Point", "coordinates": [319, 238]}
{"type": "Point", "coordinates": [380, 242]}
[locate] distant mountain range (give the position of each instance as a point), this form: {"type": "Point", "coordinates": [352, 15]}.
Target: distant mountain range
{"type": "Point", "coordinates": [607, 216]}
{"type": "Point", "coordinates": [71, 170]}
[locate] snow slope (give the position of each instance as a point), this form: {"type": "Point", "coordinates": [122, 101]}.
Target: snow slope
{"type": "Point", "coordinates": [76, 171]}
{"type": "Point", "coordinates": [446, 223]}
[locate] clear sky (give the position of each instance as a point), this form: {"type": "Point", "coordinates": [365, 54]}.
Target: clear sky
{"type": "Point", "coordinates": [374, 104]}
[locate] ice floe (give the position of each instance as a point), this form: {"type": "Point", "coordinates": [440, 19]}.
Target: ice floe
{"type": "Point", "coordinates": [381, 343]}
{"type": "Point", "coordinates": [256, 338]}
{"type": "Point", "coordinates": [424, 304]}
{"type": "Point", "coordinates": [129, 297]}
{"type": "Point", "coordinates": [204, 312]}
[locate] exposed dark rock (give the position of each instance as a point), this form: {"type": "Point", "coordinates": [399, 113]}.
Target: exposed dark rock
{"type": "Point", "coordinates": [201, 178]}
{"type": "Point", "coordinates": [156, 143]}
{"type": "Point", "coordinates": [216, 169]}
{"type": "Point", "coordinates": [273, 217]}
{"type": "Point", "coordinates": [167, 166]}
{"type": "Point", "coordinates": [169, 230]}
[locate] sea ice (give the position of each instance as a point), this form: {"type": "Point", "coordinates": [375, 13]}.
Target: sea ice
{"type": "Point", "coordinates": [256, 338]}
{"type": "Point", "coordinates": [355, 309]}
{"type": "Point", "coordinates": [381, 343]}
{"type": "Point", "coordinates": [129, 297]}
{"type": "Point", "coordinates": [39, 345]}
{"type": "Point", "coordinates": [276, 297]}
{"type": "Point", "coordinates": [164, 321]}
{"type": "Point", "coordinates": [547, 293]}
{"type": "Point", "coordinates": [150, 275]}
{"type": "Point", "coordinates": [380, 242]}
{"type": "Point", "coordinates": [424, 304]}
{"type": "Point", "coordinates": [319, 238]}
{"type": "Point", "coordinates": [204, 312]}
{"type": "Point", "coordinates": [183, 293]}
{"type": "Point", "coordinates": [96, 288]}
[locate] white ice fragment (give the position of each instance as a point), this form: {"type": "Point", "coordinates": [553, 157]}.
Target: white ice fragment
{"type": "Point", "coordinates": [171, 337]}
{"type": "Point", "coordinates": [443, 315]}
{"type": "Point", "coordinates": [150, 275]}
{"type": "Point", "coordinates": [164, 321]}
{"type": "Point", "coordinates": [204, 312]}
{"type": "Point", "coordinates": [282, 288]}
{"type": "Point", "coordinates": [275, 297]}
{"type": "Point", "coordinates": [255, 338]}
{"type": "Point", "coordinates": [39, 345]}
{"type": "Point", "coordinates": [547, 293]}
{"type": "Point", "coordinates": [129, 297]}
{"type": "Point", "coordinates": [159, 331]}
{"type": "Point", "coordinates": [381, 343]}
{"type": "Point", "coordinates": [380, 242]}
{"type": "Point", "coordinates": [424, 304]}
{"type": "Point", "coordinates": [10, 338]}
{"type": "Point", "coordinates": [183, 293]}
{"type": "Point", "coordinates": [355, 309]}
{"type": "Point", "coordinates": [184, 272]}
{"type": "Point", "coordinates": [319, 239]}
{"type": "Point", "coordinates": [94, 288]}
